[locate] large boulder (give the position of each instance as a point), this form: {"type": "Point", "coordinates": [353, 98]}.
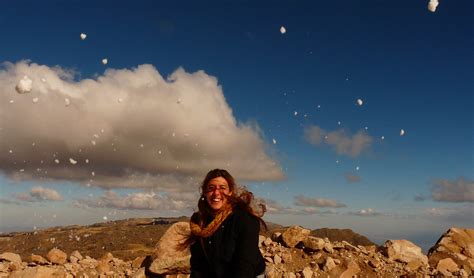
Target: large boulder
{"type": "Point", "coordinates": [312, 243]}
{"type": "Point", "coordinates": [10, 257]}
{"type": "Point", "coordinates": [294, 235]}
{"type": "Point", "coordinates": [404, 251]}
{"type": "Point", "coordinates": [168, 258]}
{"type": "Point", "coordinates": [457, 244]}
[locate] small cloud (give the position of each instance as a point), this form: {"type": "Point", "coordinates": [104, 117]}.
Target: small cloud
{"type": "Point", "coordinates": [317, 202]}
{"type": "Point", "coordinates": [420, 197]}
{"type": "Point", "coordinates": [352, 178]}
{"type": "Point", "coordinates": [461, 213]}
{"type": "Point", "coordinates": [343, 143]}
{"type": "Point", "coordinates": [459, 190]}
{"type": "Point", "coordinates": [40, 194]}
{"type": "Point", "coordinates": [365, 212]}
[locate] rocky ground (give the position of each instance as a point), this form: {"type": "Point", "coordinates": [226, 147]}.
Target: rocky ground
{"type": "Point", "coordinates": [288, 252]}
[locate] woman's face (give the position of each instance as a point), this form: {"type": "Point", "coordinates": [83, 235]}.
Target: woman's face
{"type": "Point", "coordinates": [216, 192]}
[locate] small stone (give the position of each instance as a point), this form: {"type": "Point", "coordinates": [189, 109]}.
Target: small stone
{"type": "Point", "coordinates": [57, 256]}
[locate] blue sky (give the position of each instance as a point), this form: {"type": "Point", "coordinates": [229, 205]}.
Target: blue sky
{"type": "Point", "coordinates": [412, 68]}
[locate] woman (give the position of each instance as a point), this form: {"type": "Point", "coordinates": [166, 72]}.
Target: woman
{"type": "Point", "coordinates": [225, 229]}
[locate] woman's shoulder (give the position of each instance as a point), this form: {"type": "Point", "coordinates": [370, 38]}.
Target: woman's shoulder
{"type": "Point", "coordinates": [245, 217]}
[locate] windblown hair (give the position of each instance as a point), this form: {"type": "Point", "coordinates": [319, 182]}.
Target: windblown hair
{"type": "Point", "coordinates": [241, 198]}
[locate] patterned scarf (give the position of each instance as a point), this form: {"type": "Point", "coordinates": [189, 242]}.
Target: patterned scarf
{"type": "Point", "coordinates": [214, 225]}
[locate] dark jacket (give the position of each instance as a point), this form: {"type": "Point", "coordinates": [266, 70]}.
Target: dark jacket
{"type": "Point", "coordinates": [232, 251]}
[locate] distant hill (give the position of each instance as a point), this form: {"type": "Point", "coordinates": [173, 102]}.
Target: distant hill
{"type": "Point", "coordinates": [342, 234]}
{"type": "Point", "coordinates": [125, 239]}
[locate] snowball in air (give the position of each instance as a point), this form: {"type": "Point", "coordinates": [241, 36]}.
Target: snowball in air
{"type": "Point", "coordinates": [402, 132]}
{"type": "Point", "coordinates": [24, 85]}
{"type": "Point", "coordinates": [383, 137]}
{"type": "Point", "coordinates": [105, 61]}
{"type": "Point", "coordinates": [282, 29]}
{"type": "Point", "coordinates": [274, 141]}
{"type": "Point", "coordinates": [296, 113]}
{"type": "Point", "coordinates": [72, 161]}
{"type": "Point", "coordinates": [57, 161]}
{"type": "Point", "coordinates": [67, 101]}
{"type": "Point", "coordinates": [83, 36]}
{"type": "Point", "coordinates": [357, 168]}
{"type": "Point", "coordinates": [432, 5]}
{"type": "Point", "coordinates": [360, 102]}
{"type": "Point", "coordinates": [35, 100]}
{"type": "Point", "coordinates": [105, 218]}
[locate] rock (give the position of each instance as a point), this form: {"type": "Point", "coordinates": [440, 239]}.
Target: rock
{"type": "Point", "coordinates": [37, 259]}
{"type": "Point", "coordinates": [137, 262]}
{"type": "Point", "coordinates": [351, 271]}
{"type": "Point", "coordinates": [329, 264]}
{"type": "Point", "coordinates": [140, 273]}
{"type": "Point", "coordinates": [277, 259]}
{"type": "Point", "coordinates": [267, 242]}
{"type": "Point", "coordinates": [10, 257]}
{"type": "Point", "coordinates": [276, 236]}
{"type": "Point", "coordinates": [57, 256]}
{"type": "Point", "coordinates": [457, 244]}
{"type": "Point", "coordinates": [107, 257]}
{"type": "Point", "coordinates": [312, 243]}
{"type": "Point", "coordinates": [75, 256]}
{"type": "Point", "coordinates": [447, 266]}
{"type": "Point", "coordinates": [286, 257]}
{"type": "Point", "coordinates": [289, 275]}
{"type": "Point", "coordinates": [350, 247]}
{"type": "Point", "coordinates": [168, 258]}
{"type": "Point", "coordinates": [102, 266]}
{"type": "Point", "coordinates": [307, 272]}
{"type": "Point", "coordinates": [260, 240]}
{"type": "Point", "coordinates": [294, 235]}
{"type": "Point", "coordinates": [38, 272]}
{"type": "Point", "coordinates": [403, 251]}
{"type": "Point", "coordinates": [374, 262]}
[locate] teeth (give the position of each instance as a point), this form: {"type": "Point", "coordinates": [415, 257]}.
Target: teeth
{"type": "Point", "coordinates": [216, 200]}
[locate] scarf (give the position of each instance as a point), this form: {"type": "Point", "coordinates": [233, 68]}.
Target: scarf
{"type": "Point", "coordinates": [214, 225]}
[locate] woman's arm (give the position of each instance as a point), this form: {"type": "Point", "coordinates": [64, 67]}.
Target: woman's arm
{"type": "Point", "coordinates": [246, 256]}
{"type": "Point", "coordinates": [198, 261]}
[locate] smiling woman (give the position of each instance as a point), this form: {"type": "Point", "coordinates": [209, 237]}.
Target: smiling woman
{"type": "Point", "coordinates": [224, 239]}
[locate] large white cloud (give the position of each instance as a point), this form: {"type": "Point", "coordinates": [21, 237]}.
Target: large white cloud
{"type": "Point", "coordinates": [127, 128]}
{"type": "Point", "coordinates": [344, 143]}
{"type": "Point", "coordinates": [39, 194]}
{"type": "Point", "coordinates": [459, 190]}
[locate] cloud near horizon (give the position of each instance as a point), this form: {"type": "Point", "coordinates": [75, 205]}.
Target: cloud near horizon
{"type": "Point", "coordinates": [365, 212]}
{"type": "Point", "coordinates": [301, 200]}
{"type": "Point", "coordinates": [343, 143]}
{"type": "Point", "coordinates": [175, 202]}
{"type": "Point", "coordinates": [126, 128]}
{"type": "Point", "coordinates": [40, 194]}
{"type": "Point", "coordinates": [459, 190]}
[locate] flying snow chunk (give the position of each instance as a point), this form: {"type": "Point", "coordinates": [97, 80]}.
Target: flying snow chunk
{"type": "Point", "coordinates": [360, 102]}
{"type": "Point", "coordinates": [296, 113]}
{"type": "Point", "coordinates": [72, 161]}
{"type": "Point", "coordinates": [35, 100]}
{"type": "Point", "coordinates": [57, 161]}
{"type": "Point", "coordinates": [339, 122]}
{"type": "Point", "coordinates": [105, 61]}
{"type": "Point", "coordinates": [432, 5]}
{"type": "Point", "coordinates": [24, 85]}
{"type": "Point", "coordinates": [357, 168]}
{"type": "Point", "coordinates": [383, 137]}
{"type": "Point", "coordinates": [11, 101]}
{"type": "Point", "coordinates": [274, 141]}
{"type": "Point", "coordinates": [119, 100]}
{"type": "Point", "coordinates": [83, 36]}
{"type": "Point", "coordinates": [402, 132]}
{"type": "Point", "coordinates": [105, 218]}
{"type": "Point", "coordinates": [282, 29]}
{"type": "Point", "coordinates": [67, 101]}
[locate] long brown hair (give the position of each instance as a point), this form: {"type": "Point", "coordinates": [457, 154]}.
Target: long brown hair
{"type": "Point", "coordinates": [240, 198]}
